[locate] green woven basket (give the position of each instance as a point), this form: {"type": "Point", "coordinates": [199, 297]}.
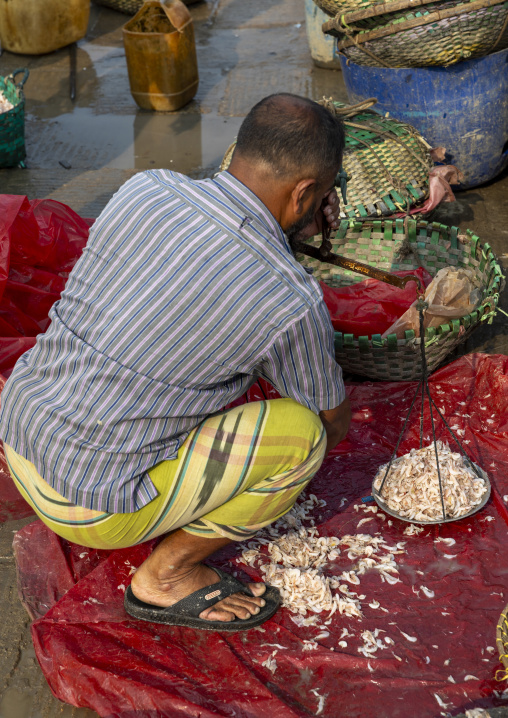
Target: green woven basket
{"type": "Point", "coordinates": [12, 122]}
{"type": "Point", "coordinates": [403, 245]}
{"type": "Point", "coordinates": [387, 162]}
{"type": "Point", "coordinates": [398, 34]}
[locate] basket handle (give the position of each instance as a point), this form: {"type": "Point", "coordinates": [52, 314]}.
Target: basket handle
{"type": "Point", "coordinates": [25, 76]}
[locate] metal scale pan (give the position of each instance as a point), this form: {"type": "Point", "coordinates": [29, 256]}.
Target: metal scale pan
{"type": "Point", "coordinates": [382, 505]}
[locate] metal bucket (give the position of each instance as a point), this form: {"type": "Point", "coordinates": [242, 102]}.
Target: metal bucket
{"type": "Point", "coordinates": [463, 108]}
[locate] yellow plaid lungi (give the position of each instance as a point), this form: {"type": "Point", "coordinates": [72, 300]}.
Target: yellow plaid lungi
{"type": "Point", "coordinates": [237, 472]}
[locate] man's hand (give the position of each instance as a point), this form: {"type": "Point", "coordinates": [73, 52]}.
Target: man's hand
{"type": "Point", "coordinates": [328, 212]}
{"type": "Point", "coordinates": [331, 208]}
{"type": "Point", "coordinates": [336, 422]}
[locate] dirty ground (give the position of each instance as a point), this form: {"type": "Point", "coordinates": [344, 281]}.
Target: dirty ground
{"type": "Point", "coordinates": [246, 50]}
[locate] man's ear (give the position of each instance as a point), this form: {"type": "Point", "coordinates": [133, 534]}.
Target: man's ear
{"type": "Point", "coordinates": [302, 192]}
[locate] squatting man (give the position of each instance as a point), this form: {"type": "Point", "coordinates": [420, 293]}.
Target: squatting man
{"type": "Point", "coordinates": [186, 294]}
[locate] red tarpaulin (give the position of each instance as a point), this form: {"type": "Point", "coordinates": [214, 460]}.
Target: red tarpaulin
{"type": "Point", "coordinates": [94, 655]}
{"type": "Point", "coordinates": [40, 241]}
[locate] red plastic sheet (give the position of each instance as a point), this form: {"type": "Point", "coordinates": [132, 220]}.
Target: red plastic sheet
{"type": "Point", "coordinates": [371, 307]}
{"type": "Point", "coordinates": [94, 655]}
{"type": "Point", "coordinates": [12, 504]}
{"type": "Point", "coordinates": [40, 241]}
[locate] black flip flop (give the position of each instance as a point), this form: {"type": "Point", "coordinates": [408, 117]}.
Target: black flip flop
{"type": "Point", "coordinates": [186, 612]}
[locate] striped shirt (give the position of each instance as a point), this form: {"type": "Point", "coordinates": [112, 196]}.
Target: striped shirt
{"type": "Point", "coordinates": [186, 293]}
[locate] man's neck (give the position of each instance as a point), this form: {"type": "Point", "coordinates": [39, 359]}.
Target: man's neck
{"type": "Point", "coordinates": [264, 186]}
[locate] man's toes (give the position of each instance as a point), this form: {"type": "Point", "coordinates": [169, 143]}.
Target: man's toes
{"type": "Point", "coordinates": [217, 614]}
{"type": "Point", "coordinates": [241, 601]}
{"type": "Point", "coordinates": [239, 605]}
{"type": "Point", "coordinates": [257, 589]}
{"type": "Point", "coordinates": [244, 611]}
{"type": "Point", "coordinates": [241, 609]}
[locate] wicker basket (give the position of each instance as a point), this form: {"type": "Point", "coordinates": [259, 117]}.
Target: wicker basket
{"type": "Point", "coordinates": [387, 163]}
{"type": "Point", "coordinates": [403, 245]}
{"type": "Point", "coordinates": [130, 7]}
{"type": "Point", "coordinates": [374, 7]}
{"type": "Point", "coordinates": [12, 123]}
{"type": "Point", "coordinates": [502, 644]}
{"type": "Point", "coordinates": [394, 34]}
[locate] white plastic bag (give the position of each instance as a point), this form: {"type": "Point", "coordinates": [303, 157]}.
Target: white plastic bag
{"type": "Point", "coordinates": [453, 293]}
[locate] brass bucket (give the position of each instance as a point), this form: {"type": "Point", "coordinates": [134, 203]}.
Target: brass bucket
{"type": "Point", "coordinates": [161, 56]}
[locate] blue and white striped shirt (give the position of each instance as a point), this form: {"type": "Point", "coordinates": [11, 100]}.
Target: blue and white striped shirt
{"type": "Point", "coordinates": [185, 294]}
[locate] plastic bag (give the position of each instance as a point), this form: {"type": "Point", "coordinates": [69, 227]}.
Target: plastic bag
{"type": "Point", "coordinates": [40, 241]}
{"type": "Point", "coordinates": [453, 293]}
{"type": "Point", "coordinates": [42, 232]}
{"type": "Point", "coordinates": [371, 306]}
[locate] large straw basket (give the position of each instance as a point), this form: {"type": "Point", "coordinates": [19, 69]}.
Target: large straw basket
{"type": "Point", "coordinates": [130, 7]}
{"type": "Point", "coordinates": [335, 7]}
{"type": "Point", "coordinates": [12, 123]}
{"type": "Point", "coordinates": [401, 245]}
{"type": "Point", "coordinates": [387, 162]}
{"type": "Point", "coordinates": [405, 33]}
{"type": "Point", "coordinates": [502, 644]}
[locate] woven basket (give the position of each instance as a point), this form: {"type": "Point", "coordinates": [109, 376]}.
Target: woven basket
{"type": "Point", "coordinates": [130, 7]}
{"type": "Point", "coordinates": [387, 162]}
{"type": "Point", "coordinates": [374, 7]}
{"type": "Point", "coordinates": [395, 34]}
{"type": "Point", "coordinates": [403, 245]}
{"type": "Point", "coordinates": [12, 123]}
{"type": "Point", "coordinates": [502, 644]}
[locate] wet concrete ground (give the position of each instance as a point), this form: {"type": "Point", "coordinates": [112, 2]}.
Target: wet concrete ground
{"type": "Point", "coordinates": [246, 50]}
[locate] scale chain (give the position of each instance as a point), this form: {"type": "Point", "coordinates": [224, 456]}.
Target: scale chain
{"type": "Point", "coordinates": [423, 385]}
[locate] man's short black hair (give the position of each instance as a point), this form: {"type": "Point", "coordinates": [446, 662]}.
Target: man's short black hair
{"type": "Point", "coordinates": [293, 135]}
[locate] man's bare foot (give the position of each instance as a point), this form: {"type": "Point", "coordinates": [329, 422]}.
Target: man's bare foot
{"type": "Point", "coordinates": [168, 575]}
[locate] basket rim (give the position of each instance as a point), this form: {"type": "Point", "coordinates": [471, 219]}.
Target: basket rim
{"type": "Point", "coordinates": [432, 334]}
{"type": "Point", "coordinates": [363, 36]}
{"type": "Point", "coordinates": [374, 10]}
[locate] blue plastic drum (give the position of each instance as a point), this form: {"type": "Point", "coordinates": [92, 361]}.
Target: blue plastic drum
{"type": "Point", "coordinates": [463, 108]}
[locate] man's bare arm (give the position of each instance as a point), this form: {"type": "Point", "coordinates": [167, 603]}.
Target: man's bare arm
{"type": "Point", "coordinates": [336, 422]}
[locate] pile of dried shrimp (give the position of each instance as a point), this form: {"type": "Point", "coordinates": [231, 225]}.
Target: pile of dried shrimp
{"type": "Point", "coordinates": [298, 561]}
{"type": "Point", "coordinates": [412, 491]}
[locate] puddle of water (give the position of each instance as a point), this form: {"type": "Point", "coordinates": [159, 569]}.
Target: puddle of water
{"type": "Point", "coordinates": [190, 143]}
{"type": "Point", "coordinates": [14, 704]}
